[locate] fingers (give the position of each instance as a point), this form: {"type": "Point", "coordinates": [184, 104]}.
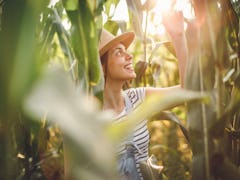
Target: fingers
{"type": "Point", "coordinates": [173, 22]}
{"type": "Point", "coordinates": [172, 17]}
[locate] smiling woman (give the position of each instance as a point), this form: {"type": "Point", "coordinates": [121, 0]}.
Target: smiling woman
{"type": "Point", "coordinates": [118, 68]}
{"type": "Point", "coordinates": [117, 65]}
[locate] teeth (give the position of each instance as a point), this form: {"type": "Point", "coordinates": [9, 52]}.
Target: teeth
{"type": "Point", "coordinates": [129, 66]}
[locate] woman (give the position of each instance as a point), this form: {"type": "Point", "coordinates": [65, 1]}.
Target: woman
{"type": "Point", "coordinates": [118, 68]}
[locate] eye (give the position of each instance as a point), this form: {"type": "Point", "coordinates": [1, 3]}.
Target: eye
{"type": "Point", "coordinates": [120, 53]}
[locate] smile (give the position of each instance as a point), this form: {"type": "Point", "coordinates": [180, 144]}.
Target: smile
{"type": "Point", "coordinates": [129, 67]}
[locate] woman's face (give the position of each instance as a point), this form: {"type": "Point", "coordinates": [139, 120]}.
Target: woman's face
{"type": "Point", "coordinates": [120, 65]}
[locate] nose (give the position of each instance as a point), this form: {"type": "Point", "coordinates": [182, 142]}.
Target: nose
{"type": "Point", "coordinates": [128, 56]}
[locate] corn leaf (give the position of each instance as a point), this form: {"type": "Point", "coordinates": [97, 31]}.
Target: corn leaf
{"type": "Point", "coordinates": [79, 119]}
{"type": "Point", "coordinates": [151, 106]}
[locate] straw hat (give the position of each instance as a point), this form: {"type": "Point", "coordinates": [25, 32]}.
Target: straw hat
{"type": "Point", "coordinates": [108, 40]}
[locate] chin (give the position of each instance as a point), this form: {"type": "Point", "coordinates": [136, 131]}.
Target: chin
{"type": "Point", "coordinates": [133, 76]}
{"type": "Point", "coordinates": [130, 76]}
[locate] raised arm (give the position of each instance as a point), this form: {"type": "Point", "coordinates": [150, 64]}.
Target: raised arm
{"type": "Point", "coordinates": [174, 24]}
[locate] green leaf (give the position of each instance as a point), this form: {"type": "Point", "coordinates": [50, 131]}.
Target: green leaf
{"type": "Point", "coordinates": [151, 106]}
{"type": "Point", "coordinates": [158, 45]}
{"type": "Point", "coordinates": [25, 60]}
{"type": "Point", "coordinates": [80, 120]}
{"type": "Point", "coordinates": [217, 130]}
{"type": "Point", "coordinates": [167, 115]}
{"type": "Point", "coordinates": [84, 39]}
{"type": "Point", "coordinates": [136, 15]}
{"type": "Point", "coordinates": [140, 69]}
{"type": "Point", "coordinates": [64, 40]}
{"type": "Point", "coordinates": [71, 5]}
{"type": "Point", "coordinates": [112, 26]}
{"type": "Point", "coordinates": [110, 4]}
{"type": "Point", "coordinates": [77, 44]}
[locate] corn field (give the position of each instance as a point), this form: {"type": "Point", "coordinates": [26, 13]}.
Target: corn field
{"type": "Point", "coordinates": [51, 86]}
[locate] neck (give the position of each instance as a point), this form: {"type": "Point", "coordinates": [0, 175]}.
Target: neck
{"type": "Point", "coordinates": [113, 98]}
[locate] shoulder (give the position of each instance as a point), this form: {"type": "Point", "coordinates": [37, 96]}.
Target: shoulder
{"type": "Point", "coordinates": [136, 95]}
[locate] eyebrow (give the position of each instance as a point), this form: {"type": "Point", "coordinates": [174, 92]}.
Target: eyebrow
{"type": "Point", "coordinates": [119, 48]}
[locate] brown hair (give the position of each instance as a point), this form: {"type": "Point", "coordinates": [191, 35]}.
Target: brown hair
{"type": "Point", "coordinates": [104, 60]}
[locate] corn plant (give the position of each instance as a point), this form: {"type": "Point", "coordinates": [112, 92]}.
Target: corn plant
{"type": "Point", "coordinates": [213, 56]}
{"type": "Point", "coordinates": [40, 110]}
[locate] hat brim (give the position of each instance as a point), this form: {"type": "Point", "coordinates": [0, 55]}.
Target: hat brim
{"type": "Point", "coordinates": [126, 39]}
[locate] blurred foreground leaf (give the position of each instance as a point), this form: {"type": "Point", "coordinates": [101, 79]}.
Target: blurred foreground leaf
{"type": "Point", "coordinates": [151, 106]}
{"type": "Point", "coordinates": [81, 122]}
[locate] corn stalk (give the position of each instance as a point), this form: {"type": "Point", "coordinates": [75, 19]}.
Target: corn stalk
{"type": "Point", "coordinates": [208, 63]}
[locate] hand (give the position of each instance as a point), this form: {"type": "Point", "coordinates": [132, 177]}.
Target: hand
{"type": "Point", "coordinates": [173, 22]}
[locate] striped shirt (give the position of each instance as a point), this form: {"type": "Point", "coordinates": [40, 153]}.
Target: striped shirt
{"type": "Point", "coordinates": [140, 135]}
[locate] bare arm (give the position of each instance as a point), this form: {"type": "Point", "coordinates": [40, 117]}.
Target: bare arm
{"type": "Point", "coordinates": [174, 24]}
{"type": "Point", "coordinates": [180, 47]}
{"type": "Point", "coordinates": [162, 91]}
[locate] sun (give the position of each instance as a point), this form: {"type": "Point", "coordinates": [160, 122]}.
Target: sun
{"type": "Point", "coordinates": [154, 20]}
{"type": "Point", "coordinates": [154, 25]}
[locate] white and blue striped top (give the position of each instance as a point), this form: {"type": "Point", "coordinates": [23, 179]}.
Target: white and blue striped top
{"type": "Point", "coordinates": [140, 134]}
